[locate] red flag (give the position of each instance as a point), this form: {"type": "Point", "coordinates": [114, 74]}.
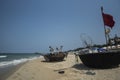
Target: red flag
{"type": "Point", "coordinates": [108, 20]}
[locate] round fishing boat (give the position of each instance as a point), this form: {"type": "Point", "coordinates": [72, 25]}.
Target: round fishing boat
{"type": "Point", "coordinates": [101, 60]}
{"type": "Point", "coordinates": [54, 57]}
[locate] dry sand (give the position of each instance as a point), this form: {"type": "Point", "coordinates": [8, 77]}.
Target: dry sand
{"type": "Point", "coordinates": [40, 70]}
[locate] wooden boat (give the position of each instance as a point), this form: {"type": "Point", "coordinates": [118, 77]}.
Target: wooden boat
{"type": "Point", "coordinates": [54, 57]}
{"type": "Point", "coordinates": [101, 59]}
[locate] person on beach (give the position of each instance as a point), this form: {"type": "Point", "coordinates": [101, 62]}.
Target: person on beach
{"type": "Point", "coordinates": [66, 54]}
{"type": "Point", "coordinates": [51, 50]}
{"type": "Point", "coordinates": [57, 50]}
{"type": "Point", "coordinates": [76, 57]}
{"type": "Point", "coordinates": [60, 50]}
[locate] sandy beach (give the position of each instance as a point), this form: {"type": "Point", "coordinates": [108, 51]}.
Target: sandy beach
{"type": "Point", "coordinates": [40, 70]}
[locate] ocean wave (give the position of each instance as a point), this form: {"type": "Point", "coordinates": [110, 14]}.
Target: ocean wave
{"type": "Point", "coordinates": [3, 56]}
{"type": "Point", "coordinates": [16, 62]}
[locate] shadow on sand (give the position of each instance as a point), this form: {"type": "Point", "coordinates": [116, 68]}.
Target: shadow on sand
{"type": "Point", "coordinates": [51, 61]}
{"type": "Point", "coordinates": [83, 67]}
{"type": "Point", "coordinates": [80, 67]}
{"type": "Point", "coordinates": [88, 71]}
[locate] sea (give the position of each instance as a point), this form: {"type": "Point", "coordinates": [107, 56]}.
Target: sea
{"type": "Point", "coordinates": [10, 60]}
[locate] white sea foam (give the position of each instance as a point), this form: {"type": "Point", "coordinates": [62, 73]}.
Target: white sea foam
{"type": "Point", "coordinates": [3, 56]}
{"type": "Point", "coordinates": [15, 62]}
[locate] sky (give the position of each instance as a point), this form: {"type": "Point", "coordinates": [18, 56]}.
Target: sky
{"type": "Point", "coordinates": [28, 26]}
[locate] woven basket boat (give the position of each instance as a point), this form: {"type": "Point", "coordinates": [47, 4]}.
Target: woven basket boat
{"type": "Point", "coordinates": [101, 60]}
{"type": "Point", "coordinates": [54, 57]}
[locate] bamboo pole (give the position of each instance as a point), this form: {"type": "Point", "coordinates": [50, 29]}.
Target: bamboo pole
{"type": "Point", "coordinates": [104, 26]}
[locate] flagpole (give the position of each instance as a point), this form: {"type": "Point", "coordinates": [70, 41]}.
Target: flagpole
{"type": "Point", "coordinates": [104, 26]}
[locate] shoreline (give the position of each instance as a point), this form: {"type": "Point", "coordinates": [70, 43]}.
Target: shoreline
{"type": "Point", "coordinates": [33, 70]}
{"type": "Point", "coordinates": [9, 70]}
{"type": "Point", "coordinates": [38, 69]}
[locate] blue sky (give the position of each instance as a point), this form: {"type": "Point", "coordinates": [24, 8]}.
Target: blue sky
{"type": "Point", "coordinates": [34, 25]}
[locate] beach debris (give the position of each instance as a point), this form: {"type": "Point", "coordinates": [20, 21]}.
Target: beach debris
{"type": "Point", "coordinates": [61, 72]}
{"type": "Point", "coordinates": [90, 73]}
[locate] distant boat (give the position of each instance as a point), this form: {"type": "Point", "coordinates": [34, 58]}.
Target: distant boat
{"type": "Point", "coordinates": [54, 57]}
{"type": "Point", "coordinates": [106, 59]}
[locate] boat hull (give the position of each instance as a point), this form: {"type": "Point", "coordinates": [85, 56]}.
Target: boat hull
{"type": "Point", "coordinates": [101, 60]}
{"type": "Point", "coordinates": [54, 57]}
